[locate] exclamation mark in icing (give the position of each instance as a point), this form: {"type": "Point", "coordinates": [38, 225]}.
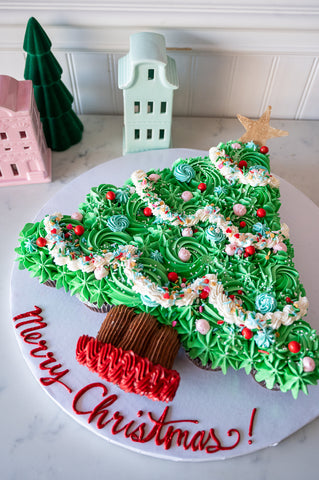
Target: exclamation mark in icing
{"type": "Point", "coordinates": [250, 431]}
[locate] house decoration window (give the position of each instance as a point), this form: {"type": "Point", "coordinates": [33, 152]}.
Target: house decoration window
{"type": "Point", "coordinates": [137, 107]}
{"type": "Point", "coordinates": [136, 134]}
{"type": "Point", "coordinates": [163, 107]}
{"type": "Point", "coordinates": [149, 134]}
{"type": "Point", "coordinates": [150, 107]}
{"type": "Point", "coordinates": [161, 134]}
{"type": "Point", "coordinates": [23, 134]}
{"type": "Point", "coordinates": [3, 136]}
{"type": "Point", "coordinates": [150, 74]}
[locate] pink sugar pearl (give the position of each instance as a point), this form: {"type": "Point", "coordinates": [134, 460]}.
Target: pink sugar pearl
{"type": "Point", "coordinates": [77, 216]}
{"type": "Point", "coordinates": [239, 209]}
{"type": "Point", "coordinates": [154, 177]}
{"type": "Point", "coordinates": [308, 364]}
{"type": "Point", "coordinates": [184, 254]}
{"type": "Point", "coordinates": [187, 232]}
{"type": "Point", "coordinates": [202, 326]}
{"type": "Point", "coordinates": [186, 196]}
{"type": "Point", "coordinates": [280, 247]}
{"type": "Point", "coordinates": [230, 249]}
{"type": "Point", "coordinates": [100, 272]}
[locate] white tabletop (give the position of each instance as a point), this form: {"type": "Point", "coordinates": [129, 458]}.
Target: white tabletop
{"type": "Point", "coordinates": [38, 439]}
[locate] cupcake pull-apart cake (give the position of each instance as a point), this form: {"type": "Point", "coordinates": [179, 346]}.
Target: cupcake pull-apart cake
{"type": "Point", "coordinates": [195, 255]}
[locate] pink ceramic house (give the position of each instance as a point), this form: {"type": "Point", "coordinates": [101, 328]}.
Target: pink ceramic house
{"type": "Point", "coordinates": [24, 155]}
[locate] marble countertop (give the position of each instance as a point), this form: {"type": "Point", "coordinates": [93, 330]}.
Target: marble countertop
{"type": "Point", "coordinates": [38, 439]}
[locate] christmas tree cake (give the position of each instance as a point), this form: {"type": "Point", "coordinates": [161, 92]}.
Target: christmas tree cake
{"type": "Point", "coordinates": [195, 254]}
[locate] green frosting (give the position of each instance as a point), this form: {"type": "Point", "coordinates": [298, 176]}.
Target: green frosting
{"type": "Point", "coordinates": [265, 279]}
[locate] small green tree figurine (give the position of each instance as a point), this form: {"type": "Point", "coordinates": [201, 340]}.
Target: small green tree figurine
{"type": "Point", "coordinates": [62, 128]}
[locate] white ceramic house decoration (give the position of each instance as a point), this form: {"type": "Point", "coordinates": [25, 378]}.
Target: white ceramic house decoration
{"type": "Point", "coordinates": [148, 78]}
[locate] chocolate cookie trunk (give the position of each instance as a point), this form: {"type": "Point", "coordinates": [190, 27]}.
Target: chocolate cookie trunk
{"type": "Point", "coordinates": [139, 333]}
{"type": "Point", "coordinates": [163, 347]}
{"type": "Point", "coordinates": [115, 324]}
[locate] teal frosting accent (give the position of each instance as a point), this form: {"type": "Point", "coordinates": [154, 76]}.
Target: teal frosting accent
{"type": "Point", "coordinates": [118, 223]}
{"type": "Point", "coordinates": [121, 196]}
{"type": "Point", "coordinates": [260, 228]}
{"type": "Point", "coordinates": [265, 303]}
{"type": "Point", "coordinates": [214, 234]}
{"type": "Point", "coordinates": [260, 167]}
{"type": "Point", "coordinates": [264, 338]}
{"type": "Point", "coordinates": [184, 172]}
{"type": "Point", "coordinates": [156, 255]}
{"type": "Point", "coordinates": [148, 302]}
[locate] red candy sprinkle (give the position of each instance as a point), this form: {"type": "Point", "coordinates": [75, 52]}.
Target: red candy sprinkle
{"type": "Point", "coordinates": [242, 224]}
{"type": "Point", "coordinates": [172, 276]}
{"type": "Point", "coordinates": [240, 292]}
{"type": "Point", "coordinates": [236, 235]}
{"type": "Point", "coordinates": [41, 242]}
{"type": "Point", "coordinates": [247, 333]}
{"type": "Point", "coordinates": [202, 187]}
{"type": "Point", "coordinates": [294, 346]}
{"type": "Point", "coordinates": [264, 149]}
{"type": "Point", "coordinates": [184, 280]}
{"type": "Point", "coordinates": [288, 300]}
{"type": "Point", "coordinates": [110, 195]}
{"type": "Point", "coordinates": [242, 164]}
{"type": "Point", "coordinates": [53, 230]}
{"type": "Point", "coordinates": [206, 280]}
{"type": "Point", "coordinates": [261, 212]}
{"type": "Point", "coordinates": [204, 294]}
{"type": "Point", "coordinates": [79, 230]}
{"type": "Point", "coordinates": [166, 295]}
{"type": "Point", "coordinates": [147, 212]}
{"type": "Point", "coordinates": [228, 230]}
{"type": "Point", "coordinates": [250, 250]}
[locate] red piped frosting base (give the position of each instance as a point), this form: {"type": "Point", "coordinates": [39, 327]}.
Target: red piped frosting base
{"type": "Point", "coordinates": [127, 370]}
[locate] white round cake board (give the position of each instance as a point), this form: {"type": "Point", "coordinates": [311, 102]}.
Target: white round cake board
{"type": "Point", "coordinates": [216, 401]}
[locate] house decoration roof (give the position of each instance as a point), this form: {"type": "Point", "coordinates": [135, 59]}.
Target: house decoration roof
{"type": "Point", "coordinates": [15, 95]}
{"type": "Point", "coordinates": [147, 47]}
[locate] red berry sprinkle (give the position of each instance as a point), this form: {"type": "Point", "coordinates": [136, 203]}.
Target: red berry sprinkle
{"type": "Point", "coordinates": [172, 277]}
{"type": "Point", "coordinates": [147, 212]}
{"type": "Point", "coordinates": [261, 212]}
{"type": "Point", "coordinates": [110, 195]}
{"type": "Point", "coordinates": [242, 224]}
{"type": "Point", "coordinates": [294, 346]}
{"type": "Point", "coordinates": [288, 300]}
{"type": "Point", "coordinates": [250, 250]}
{"type": "Point", "coordinates": [247, 333]}
{"type": "Point", "coordinates": [206, 280]}
{"type": "Point", "coordinates": [242, 164]}
{"type": "Point", "coordinates": [204, 294]}
{"type": "Point", "coordinates": [184, 279]}
{"type": "Point", "coordinates": [41, 242]}
{"type": "Point", "coordinates": [264, 149]}
{"type": "Point", "coordinates": [79, 230]}
{"type": "Point", "coordinates": [202, 187]}
{"type": "Point", "coordinates": [240, 292]}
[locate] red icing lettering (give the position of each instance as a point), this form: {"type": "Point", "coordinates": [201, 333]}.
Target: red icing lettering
{"type": "Point", "coordinates": [161, 431]}
{"type": "Point", "coordinates": [31, 336]}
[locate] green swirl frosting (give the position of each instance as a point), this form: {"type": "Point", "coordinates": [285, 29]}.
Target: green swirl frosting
{"type": "Point", "coordinates": [258, 283]}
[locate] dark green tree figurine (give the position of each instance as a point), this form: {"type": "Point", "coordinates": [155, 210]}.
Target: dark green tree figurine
{"type": "Point", "coordinates": [62, 128]}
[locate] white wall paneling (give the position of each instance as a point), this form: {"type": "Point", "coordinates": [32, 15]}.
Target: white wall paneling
{"type": "Point", "coordinates": [231, 56]}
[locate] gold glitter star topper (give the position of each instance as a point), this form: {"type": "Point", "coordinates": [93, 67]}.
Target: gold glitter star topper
{"type": "Point", "coordinates": [259, 131]}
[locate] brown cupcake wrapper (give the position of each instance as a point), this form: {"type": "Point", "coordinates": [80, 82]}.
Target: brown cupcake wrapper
{"type": "Point", "coordinates": [106, 307]}
{"type": "Point", "coordinates": [197, 362]}
{"type": "Point", "coordinates": [50, 283]}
